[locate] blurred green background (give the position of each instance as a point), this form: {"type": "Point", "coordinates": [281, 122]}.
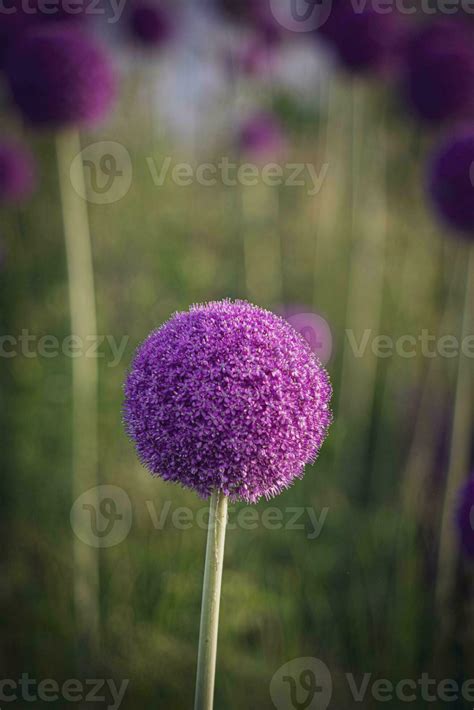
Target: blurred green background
{"type": "Point", "coordinates": [365, 253]}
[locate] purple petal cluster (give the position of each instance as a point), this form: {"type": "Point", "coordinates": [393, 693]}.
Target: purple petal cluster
{"type": "Point", "coordinates": [59, 76]}
{"type": "Point", "coordinates": [438, 79]}
{"type": "Point", "coordinates": [150, 24]}
{"type": "Point", "coordinates": [17, 173]}
{"type": "Point", "coordinates": [261, 135]}
{"type": "Point", "coordinates": [451, 181]}
{"type": "Point", "coordinates": [465, 518]}
{"type": "Point", "coordinates": [364, 39]}
{"type": "Point", "coordinates": [227, 396]}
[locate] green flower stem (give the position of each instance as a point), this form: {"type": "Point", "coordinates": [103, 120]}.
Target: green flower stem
{"type": "Point", "coordinates": [211, 595]}
{"type": "Point", "coordinates": [84, 375]}
{"type": "Point", "coordinates": [458, 470]}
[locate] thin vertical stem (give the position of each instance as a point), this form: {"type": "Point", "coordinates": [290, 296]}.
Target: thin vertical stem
{"type": "Point", "coordinates": [459, 451]}
{"type": "Point", "coordinates": [84, 375]}
{"type": "Point", "coordinates": [211, 596]}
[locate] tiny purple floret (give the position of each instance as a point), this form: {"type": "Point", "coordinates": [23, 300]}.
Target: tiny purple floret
{"type": "Point", "coordinates": [227, 396]}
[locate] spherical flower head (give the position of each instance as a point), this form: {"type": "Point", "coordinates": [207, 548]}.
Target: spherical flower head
{"type": "Point", "coordinates": [261, 136]}
{"type": "Point", "coordinates": [59, 76]}
{"type": "Point", "coordinates": [228, 397]}
{"type": "Point", "coordinates": [17, 173]}
{"type": "Point", "coordinates": [364, 40]}
{"type": "Point", "coordinates": [465, 518]}
{"type": "Point", "coordinates": [443, 33]}
{"type": "Point", "coordinates": [451, 181]}
{"type": "Point", "coordinates": [150, 24]}
{"type": "Point", "coordinates": [438, 77]}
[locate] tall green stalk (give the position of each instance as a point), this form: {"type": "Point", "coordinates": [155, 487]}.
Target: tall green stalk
{"type": "Point", "coordinates": [211, 596]}
{"type": "Point", "coordinates": [84, 377]}
{"type": "Point", "coordinates": [458, 470]}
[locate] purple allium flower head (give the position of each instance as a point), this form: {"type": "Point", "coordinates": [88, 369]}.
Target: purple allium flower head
{"type": "Point", "coordinates": [451, 181]}
{"type": "Point", "coordinates": [227, 396]}
{"type": "Point", "coordinates": [438, 77]}
{"type": "Point", "coordinates": [59, 76]}
{"type": "Point", "coordinates": [150, 23]}
{"type": "Point", "coordinates": [365, 40]}
{"type": "Point", "coordinates": [465, 518]}
{"type": "Point", "coordinates": [17, 173]}
{"type": "Point", "coordinates": [261, 136]}
{"type": "Point", "coordinates": [13, 22]}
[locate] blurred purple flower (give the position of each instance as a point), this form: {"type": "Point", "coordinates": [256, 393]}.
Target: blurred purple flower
{"type": "Point", "coordinates": [256, 58]}
{"type": "Point", "coordinates": [150, 23]}
{"type": "Point", "coordinates": [451, 181]}
{"type": "Point", "coordinates": [465, 518]}
{"type": "Point", "coordinates": [364, 40]}
{"type": "Point", "coordinates": [17, 173]}
{"type": "Point", "coordinates": [261, 136]}
{"type": "Point", "coordinates": [13, 22]}
{"type": "Point", "coordinates": [227, 396]}
{"type": "Point", "coordinates": [59, 76]}
{"type": "Point", "coordinates": [438, 76]}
